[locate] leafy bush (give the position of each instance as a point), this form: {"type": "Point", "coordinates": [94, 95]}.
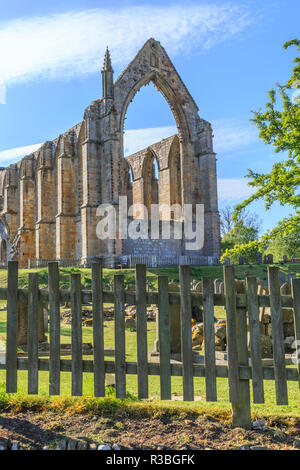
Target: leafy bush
{"type": "Point", "coordinates": [248, 251]}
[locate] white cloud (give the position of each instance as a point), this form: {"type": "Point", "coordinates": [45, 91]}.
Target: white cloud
{"type": "Point", "coordinates": [73, 43]}
{"type": "Point", "coordinates": [233, 189]}
{"type": "Point", "coordinates": [139, 139]}
{"type": "Point", "coordinates": [232, 134]}
{"type": "Point", "coordinates": [15, 154]}
{"type": "Point", "coordinates": [229, 134]}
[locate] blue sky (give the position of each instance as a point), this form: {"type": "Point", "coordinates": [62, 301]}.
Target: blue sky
{"type": "Point", "coordinates": [228, 53]}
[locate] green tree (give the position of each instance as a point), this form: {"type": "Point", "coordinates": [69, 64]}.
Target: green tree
{"type": "Point", "coordinates": [279, 125]}
{"type": "Point", "coordinates": [239, 232]}
{"type": "Point", "coordinates": [284, 246]}
{"type": "Point", "coordinates": [248, 251]}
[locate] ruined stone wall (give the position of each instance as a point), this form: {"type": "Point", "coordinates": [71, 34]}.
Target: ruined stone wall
{"type": "Point", "coordinates": [49, 200]}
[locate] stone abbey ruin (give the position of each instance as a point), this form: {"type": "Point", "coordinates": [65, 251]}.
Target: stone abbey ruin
{"type": "Point", "coordinates": [49, 199]}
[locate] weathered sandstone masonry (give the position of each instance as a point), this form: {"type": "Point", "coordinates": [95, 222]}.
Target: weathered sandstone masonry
{"type": "Point", "coordinates": [48, 200]}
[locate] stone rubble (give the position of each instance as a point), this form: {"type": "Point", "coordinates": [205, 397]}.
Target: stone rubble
{"type": "Point", "coordinates": [259, 425]}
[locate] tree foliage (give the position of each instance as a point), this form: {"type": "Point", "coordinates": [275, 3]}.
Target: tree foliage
{"type": "Point", "coordinates": [247, 250]}
{"type": "Point", "coordinates": [240, 232]}
{"type": "Point", "coordinates": [279, 125]}
{"type": "Point", "coordinates": [245, 219]}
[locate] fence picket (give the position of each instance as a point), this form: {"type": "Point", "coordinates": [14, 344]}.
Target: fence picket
{"type": "Point", "coordinates": [209, 340]}
{"type": "Point", "coordinates": [186, 333]}
{"type": "Point", "coordinates": [54, 307]}
{"type": "Point", "coordinates": [237, 300]}
{"type": "Point", "coordinates": [11, 335]}
{"type": "Point", "coordinates": [76, 334]}
{"type": "Point", "coordinates": [141, 330]}
{"type": "Point", "coordinates": [296, 301]}
{"type": "Point", "coordinates": [98, 335]}
{"type": "Point", "coordinates": [230, 305]}
{"type": "Point", "coordinates": [277, 336]}
{"type": "Point", "coordinates": [120, 371]}
{"type": "Point", "coordinates": [241, 410]}
{"type": "Point", "coordinates": [255, 342]}
{"type": "Point", "coordinates": [33, 344]}
{"type": "Point", "coordinates": [164, 338]}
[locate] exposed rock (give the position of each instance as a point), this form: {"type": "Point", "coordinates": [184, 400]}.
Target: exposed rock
{"type": "Point", "coordinates": [3, 445]}
{"type": "Point", "coordinates": [296, 443]}
{"type": "Point", "coordinates": [14, 446]}
{"type": "Point", "coordinates": [93, 447]}
{"type": "Point", "coordinates": [110, 380]}
{"type": "Point", "coordinates": [61, 445]}
{"type": "Point", "coordinates": [220, 330]}
{"type": "Point", "coordinates": [244, 447]}
{"type": "Point", "coordinates": [258, 425]}
{"type": "Point", "coordinates": [198, 335]}
{"type": "Point", "coordinates": [259, 448]}
{"type": "Point", "coordinates": [81, 445]}
{"type": "Point", "coordinates": [72, 444]}
{"type": "Point", "coordinates": [104, 447]}
{"type": "Point", "coordinates": [288, 344]}
{"type": "Point", "coordinates": [266, 346]}
{"type": "Point", "coordinates": [220, 335]}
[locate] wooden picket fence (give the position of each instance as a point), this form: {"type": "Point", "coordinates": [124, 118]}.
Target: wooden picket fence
{"type": "Point", "coordinates": [242, 305]}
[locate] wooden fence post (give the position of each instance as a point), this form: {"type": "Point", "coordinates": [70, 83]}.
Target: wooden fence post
{"type": "Point", "coordinates": [164, 338]}
{"type": "Point", "coordinates": [54, 307]}
{"type": "Point", "coordinates": [186, 334]}
{"type": "Point", "coordinates": [209, 340]}
{"type": "Point", "coordinates": [296, 301]}
{"type": "Point", "coordinates": [241, 411]}
{"type": "Point", "coordinates": [120, 370]}
{"type": "Point", "coordinates": [236, 322]}
{"type": "Point", "coordinates": [255, 341]}
{"type": "Point", "coordinates": [98, 336]}
{"type": "Point", "coordinates": [277, 336]}
{"type": "Point", "coordinates": [33, 344]}
{"type": "Point", "coordinates": [231, 329]}
{"type": "Point", "coordinates": [11, 337]}
{"type": "Point", "coordinates": [141, 330]}
{"type": "Point", "coordinates": [76, 334]}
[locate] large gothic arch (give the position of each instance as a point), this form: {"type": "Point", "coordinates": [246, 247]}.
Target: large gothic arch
{"type": "Point", "coordinates": [169, 95]}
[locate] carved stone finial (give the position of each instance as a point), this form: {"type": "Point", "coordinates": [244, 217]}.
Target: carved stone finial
{"type": "Point", "coordinates": [107, 77]}
{"type": "Point", "coordinates": [107, 67]}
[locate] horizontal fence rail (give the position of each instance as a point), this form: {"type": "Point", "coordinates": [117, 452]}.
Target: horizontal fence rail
{"type": "Point", "coordinates": [240, 299]}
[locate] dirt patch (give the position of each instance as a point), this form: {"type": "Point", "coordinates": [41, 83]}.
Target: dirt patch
{"type": "Point", "coordinates": [35, 430]}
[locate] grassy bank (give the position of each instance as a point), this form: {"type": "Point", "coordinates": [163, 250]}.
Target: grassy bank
{"type": "Point", "coordinates": [197, 273]}
{"type": "Point", "coordinates": [130, 407]}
